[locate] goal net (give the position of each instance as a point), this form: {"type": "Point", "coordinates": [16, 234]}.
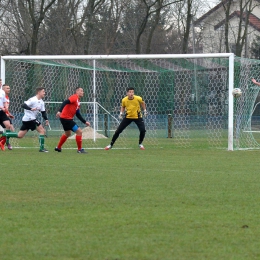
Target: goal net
{"type": "Point", "coordinates": [187, 98]}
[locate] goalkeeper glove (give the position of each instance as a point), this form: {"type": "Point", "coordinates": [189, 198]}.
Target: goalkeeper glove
{"type": "Point", "coordinates": [120, 116]}
{"type": "Point", "coordinates": [145, 113]}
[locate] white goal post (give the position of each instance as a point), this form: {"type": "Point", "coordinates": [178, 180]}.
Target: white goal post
{"type": "Point", "coordinates": [182, 82]}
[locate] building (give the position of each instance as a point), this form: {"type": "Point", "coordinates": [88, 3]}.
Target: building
{"type": "Point", "coordinates": [212, 26]}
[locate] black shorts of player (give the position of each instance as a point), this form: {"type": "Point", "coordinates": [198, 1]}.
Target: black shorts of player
{"type": "Point", "coordinates": [68, 124]}
{"type": "Point", "coordinates": [30, 125]}
{"type": "Point", "coordinates": [3, 117]}
{"type": "Point", "coordinates": [2, 124]}
{"type": "Point", "coordinates": [127, 121]}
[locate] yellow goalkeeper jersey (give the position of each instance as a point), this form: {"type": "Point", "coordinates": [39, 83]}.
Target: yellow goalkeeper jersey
{"type": "Point", "coordinates": [132, 107]}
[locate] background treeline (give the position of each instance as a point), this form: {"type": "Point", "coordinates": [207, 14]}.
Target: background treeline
{"type": "Point", "coordinates": [69, 27]}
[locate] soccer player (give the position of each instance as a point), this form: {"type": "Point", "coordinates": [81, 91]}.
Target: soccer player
{"type": "Point", "coordinates": [4, 119]}
{"type": "Point", "coordinates": [69, 108]}
{"type": "Point", "coordinates": [255, 82]}
{"type": "Point", "coordinates": [32, 107]}
{"type": "Point", "coordinates": [131, 104]}
{"type": "Point", "coordinates": [6, 89]}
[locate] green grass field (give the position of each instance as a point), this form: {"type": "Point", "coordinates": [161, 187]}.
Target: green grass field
{"type": "Point", "coordinates": [125, 204]}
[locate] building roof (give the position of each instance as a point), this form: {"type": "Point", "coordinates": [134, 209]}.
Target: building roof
{"type": "Point", "coordinates": [211, 11]}
{"type": "Point", "coordinates": [253, 20]}
{"type": "Point", "coordinates": [214, 9]}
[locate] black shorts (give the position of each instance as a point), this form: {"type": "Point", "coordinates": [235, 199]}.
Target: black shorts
{"type": "Point", "coordinates": [2, 124]}
{"type": "Point", "coordinates": [30, 125]}
{"type": "Point", "coordinates": [3, 117]}
{"type": "Point", "coordinates": [127, 121]}
{"type": "Point", "coordinates": [68, 124]}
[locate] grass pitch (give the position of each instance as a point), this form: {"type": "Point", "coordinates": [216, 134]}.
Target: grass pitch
{"type": "Point", "coordinates": [164, 203]}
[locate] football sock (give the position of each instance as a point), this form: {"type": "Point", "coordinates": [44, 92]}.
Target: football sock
{"type": "Point", "coordinates": [7, 138]}
{"type": "Point", "coordinates": [41, 141]}
{"type": "Point", "coordinates": [79, 141]}
{"type": "Point", "coordinates": [10, 134]}
{"type": "Point", "coordinates": [3, 140]}
{"type": "Point", "coordinates": [62, 141]}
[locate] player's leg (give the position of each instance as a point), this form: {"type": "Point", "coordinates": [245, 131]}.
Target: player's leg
{"type": "Point", "coordinates": [78, 137]}
{"type": "Point", "coordinates": [2, 138]}
{"type": "Point", "coordinates": [40, 129]}
{"type": "Point", "coordinates": [62, 140]}
{"type": "Point", "coordinates": [141, 126]}
{"type": "Point", "coordinates": [26, 126]}
{"type": "Point", "coordinates": [9, 146]}
{"type": "Point", "coordinates": [9, 130]}
{"type": "Point", "coordinates": [124, 123]}
{"type": "Point", "coordinates": [66, 124]}
{"type": "Point", "coordinates": [5, 124]}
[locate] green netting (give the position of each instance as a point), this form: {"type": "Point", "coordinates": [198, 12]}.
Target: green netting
{"type": "Point", "coordinates": [187, 99]}
{"type": "Point", "coordinates": [245, 128]}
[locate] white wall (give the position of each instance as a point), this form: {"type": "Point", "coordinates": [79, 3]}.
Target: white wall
{"type": "Point", "coordinates": [213, 40]}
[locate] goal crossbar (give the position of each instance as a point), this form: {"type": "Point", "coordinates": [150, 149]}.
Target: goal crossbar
{"type": "Point", "coordinates": [94, 58]}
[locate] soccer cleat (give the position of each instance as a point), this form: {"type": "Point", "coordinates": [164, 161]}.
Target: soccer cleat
{"type": "Point", "coordinates": [141, 147]}
{"type": "Point", "coordinates": [57, 149]}
{"type": "Point", "coordinates": [9, 146]}
{"type": "Point", "coordinates": [108, 147]}
{"type": "Point", "coordinates": [2, 146]}
{"type": "Point", "coordinates": [81, 151]}
{"type": "Point", "coordinates": [43, 150]}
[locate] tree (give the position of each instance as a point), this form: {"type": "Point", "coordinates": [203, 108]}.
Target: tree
{"type": "Point", "coordinates": [30, 15]}
{"type": "Point", "coordinates": [186, 35]}
{"type": "Point", "coordinates": [255, 48]}
{"type": "Point", "coordinates": [240, 32]}
{"type": "Point", "coordinates": [22, 21]}
{"type": "Point", "coordinates": [149, 8]}
{"type": "Point", "coordinates": [183, 15]}
{"type": "Point", "coordinates": [95, 26]}
{"type": "Point", "coordinates": [107, 30]}
{"type": "Point", "coordinates": [89, 21]}
{"type": "Point", "coordinates": [60, 30]}
{"type": "Point", "coordinates": [227, 6]}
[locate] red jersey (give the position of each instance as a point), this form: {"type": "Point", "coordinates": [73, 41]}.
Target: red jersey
{"type": "Point", "coordinates": [7, 100]}
{"type": "Point", "coordinates": [69, 110]}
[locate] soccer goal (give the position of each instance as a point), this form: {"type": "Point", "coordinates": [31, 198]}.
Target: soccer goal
{"type": "Point", "coordinates": [188, 97]}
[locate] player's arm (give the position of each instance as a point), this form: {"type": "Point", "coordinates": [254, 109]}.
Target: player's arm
{"type": "Point", "coordinates": [9, 114]}
{"type": "Point", "coordinates": [45, 117]}
{"type": "Point", "coordinates": [79, 116]}
{"type": "Point", "coordinates": [143, 105]}
{"type": "Point", "coordinates": [64, 103]}
{"type": "Point", "coordinates": [5, 107]}
{"type": "Point", "coordinates": [25, 106]}
{"type": "Point", "coordinates": [122, 110]}
{"type": "Point", "coordinates": [255, 82]}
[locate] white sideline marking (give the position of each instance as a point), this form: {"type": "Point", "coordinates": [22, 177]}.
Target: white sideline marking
{"type": "Point", "coordinates": [251, 131]}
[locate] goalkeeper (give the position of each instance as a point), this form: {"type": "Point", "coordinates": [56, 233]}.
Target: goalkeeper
{"type": "Point", "coordinates": [131, 105]}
